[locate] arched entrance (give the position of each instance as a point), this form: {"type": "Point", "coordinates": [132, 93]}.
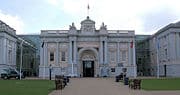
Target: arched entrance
{"type": "Point", "coordinates": [88, 68]}
{"type": "Point", "coordinates": [88, 62]}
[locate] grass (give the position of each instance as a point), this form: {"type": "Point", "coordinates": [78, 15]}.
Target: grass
{"type": "Point", "coordinates": [26, 87]}
{"type": "Point", "coordinates": [161, 84]}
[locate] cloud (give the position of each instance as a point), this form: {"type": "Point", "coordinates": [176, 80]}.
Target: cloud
{"type": "Point", "coordinates": [53, 2]}
{"type": "Point", "coordinates": [142, 16]}
{"type": "Point", "coordinates": [13, 21]}
{"type": "Point", "coordinates": [155, 20]}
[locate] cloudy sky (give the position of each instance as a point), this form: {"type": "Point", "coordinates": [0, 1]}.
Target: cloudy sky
{"type": "Point", "coordinates": [143, 16]}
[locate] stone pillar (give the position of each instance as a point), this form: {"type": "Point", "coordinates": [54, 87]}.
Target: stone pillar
{"type": "Point", "coordinates": [105, 52]}
{"type": "Point", "coordinates": [4, 51]}
{"type": "Point", "coordinates": [129, 54]}
{"type": "Point", "coordinates": [118, 52]}
{"type": "Point", "coordinates": [41, 55]}
{"type": "Point", "coordinates": [13, 54]}
{"type": "Point", "coordinates": [57, 53]}
{"type": "Point", "coordinates": [75, 53]}
{"type": "Point", "coordinates": [15, 48]}
{"type": "Point", "coordinates": [168, 47]}
{"type": "Point", "coordinates": [134, 60]}
{"type": "Point", "coordinates": [105, 57]}
{"type": "Point", "coordinates": [70, 52]}
{"type": "Point", "coordinates": [101, 52]}
{"type": "Point", "coordinates": [75, 58]}
{"type": "Point", "coordinates": [70, 57]}
{"type": "Point", "coordinates": [1, 46]}
{"type": "Point", "coordinates": [173, 48]}
{"type": "Point", "coordinates": [46, 56]}
{"type": "Point", "coordinates": [177, 46]}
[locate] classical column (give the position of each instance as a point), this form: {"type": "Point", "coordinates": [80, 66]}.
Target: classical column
{"type": "Point", "coordinates": [70, 56]}
{"type": "Point", "coordinates": [41, 55]}
{"type": "Point", "coordinates": [168, 47]}
{"type": "Point", "coordinates": [42, 61]}
{"type": "Point", "coordinates": [46, 56]}
{"type": "Point", "coordinates": [106, 52]}
{"type": "Point", "coordinates": [101, 52]}
{"type": "Point", "coordinates": [177, 46]}
{"type": "Point", "coordinates": [129, 54]}
{"type": "Point", "coordinates": [173, 45]}
{"type": "Point", "coordinates": [4, 51]}
{"type": "Point", "coordinates": [72, 60]}
{"type": "Point", "coordinates": [57, 53]}
{"type": "Point", "coordinates": [134, 60]}
{"type": "Point", "coordinates": [75, 53]}
{"type": "Point", "coordinates": [118, 52]}
{"type": "Point", "coordinates": [75, 58]}
{"type": "Point", "coordinates": [13, 62]}
{"type": "Point", "coordinates": [15, 45]}
{"type": "Point", "coordinates": [70, 52]}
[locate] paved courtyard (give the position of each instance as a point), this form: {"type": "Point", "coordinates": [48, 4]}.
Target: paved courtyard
{"type": "Point", "coordinates": [103, 86]}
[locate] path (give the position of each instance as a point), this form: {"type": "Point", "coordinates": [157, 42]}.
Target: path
{"type": "Point", "coordinates": [103, 86]}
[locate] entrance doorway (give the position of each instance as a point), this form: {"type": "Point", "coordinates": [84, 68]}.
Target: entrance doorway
{"type": "Point", "coordinates": [88, 68]}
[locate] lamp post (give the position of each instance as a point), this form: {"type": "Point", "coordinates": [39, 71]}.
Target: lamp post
{"type": "Point", "coordinates": [21, 59]}
{"type": "Point", "coordinates": [50, 68]}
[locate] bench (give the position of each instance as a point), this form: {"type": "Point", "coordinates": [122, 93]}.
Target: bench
{"type": "Point", "coordinates": [59, 82]}
{"type": "Point", "coordinates": [119, 77]}
{"type": "Point", "coordinates": [135, 83]}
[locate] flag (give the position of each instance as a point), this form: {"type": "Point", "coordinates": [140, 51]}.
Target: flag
{"type": "Point", "coordinates": [88, 7]}
{"type": "Point", "coordinates": [131, 44]}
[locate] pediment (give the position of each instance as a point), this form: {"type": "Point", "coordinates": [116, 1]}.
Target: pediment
{"type": "Point", "coordinates": [87, 25]}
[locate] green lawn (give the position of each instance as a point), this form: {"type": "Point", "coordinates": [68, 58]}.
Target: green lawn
{"type": "Point", "coordinates": [26, 87]}
{"type": "Point", "coordinates": [161, 84]}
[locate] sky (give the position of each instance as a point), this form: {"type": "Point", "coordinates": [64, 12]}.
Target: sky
{"type": "Point", "coordinates": [143, 16]}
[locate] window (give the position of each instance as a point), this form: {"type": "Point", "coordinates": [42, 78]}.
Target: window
{"type": "Point", "coordinates": [63, 56]}
{"type": "Point", "coordinates": [112, 56]}
{"type": "Point", "coordinates": [139, 61]}
{"type": "Point", "coordinates": [166, 53]}
{"type": "Point", "coordinates": [112, 69]}
{"type": "Point", "coordinates": [10, 56]}
{"type": "Point", "coordinates": [123, 55]}
{"type": "Point", "coordinates": [13, 72]}
{"type": "Point", "coordinates": [51, 56]}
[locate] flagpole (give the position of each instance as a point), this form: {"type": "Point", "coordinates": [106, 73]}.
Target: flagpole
{"type": "Point", "coordinates": [88, 9]}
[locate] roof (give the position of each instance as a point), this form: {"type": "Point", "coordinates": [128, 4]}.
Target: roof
{"type": "Point", "coordinates": [171, 25]}
{"type": "Point", "coordinates": [87, 20]}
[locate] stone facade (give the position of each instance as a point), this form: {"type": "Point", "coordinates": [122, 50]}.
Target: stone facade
{"type": "Point", "coordinates": [165, 51]}
{"type": "Point", "coordinates": [8, 40]}
{"type": "Point", "coordinates": [87, 52]}
{"type": "Point", "coordinates": [10, 51]}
